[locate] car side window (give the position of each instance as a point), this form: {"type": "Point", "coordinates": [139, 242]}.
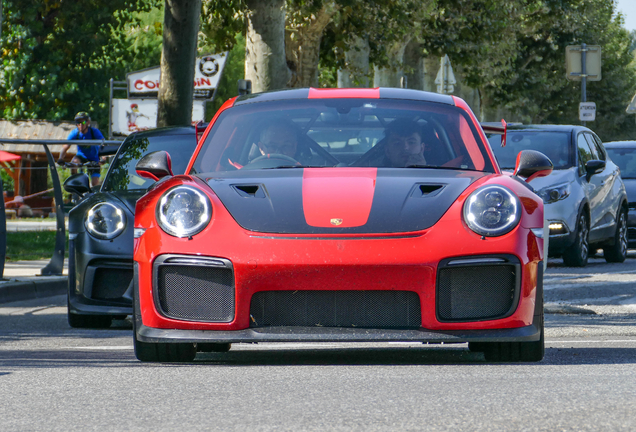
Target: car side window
{"type": "Point", "coordinates": [602, 154]}
{"type": "Point", "coordinates": [585, 153]}
{"type": "Point", "coordinates": [592, 144]}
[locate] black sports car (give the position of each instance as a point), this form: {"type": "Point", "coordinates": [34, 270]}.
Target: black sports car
{"type": "Point", "coordinates": [101, 227]}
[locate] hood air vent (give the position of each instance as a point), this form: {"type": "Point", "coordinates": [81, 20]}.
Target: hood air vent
{"type": "Point", "coordinates": [250, 190]}
{"type": "Point", "coordinates": [421, 190]}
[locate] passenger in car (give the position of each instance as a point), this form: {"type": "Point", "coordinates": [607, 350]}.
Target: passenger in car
{"type": "Point", "coordinates": [404, 144]}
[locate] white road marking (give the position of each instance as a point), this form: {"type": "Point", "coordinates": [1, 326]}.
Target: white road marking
{"type": "Point", "coordinates": [101, 348]}
{"type": "Point", "coordinates": [588, 341]}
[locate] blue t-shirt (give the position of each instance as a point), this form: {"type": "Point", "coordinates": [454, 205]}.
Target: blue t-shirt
{"type": "Point", "coordinates": [89, 152]}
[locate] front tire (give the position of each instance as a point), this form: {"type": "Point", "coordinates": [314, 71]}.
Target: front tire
{"type": "Point", "coordinates": [89, 321]}
{"type": "Point", "coordinates": [163, 352]}
{"type": "Point", "coordinates": [577, 254]}
{"type": "Point", "coordinates": [513, 351]}
{"type": "Point", "coordinates": [618, 251]}
{"type": "Point", "coordinates": [160, 352]}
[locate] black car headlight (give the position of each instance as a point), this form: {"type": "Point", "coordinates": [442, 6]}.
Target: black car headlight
{"type": "Point", "coordinates": [555, 193]}
{"type": "Point", "coordinates": [105, 221]}
{"type": "Point", "coordinates": [183, 211]}
{"type": "Point", "coordinates": [492, 211]}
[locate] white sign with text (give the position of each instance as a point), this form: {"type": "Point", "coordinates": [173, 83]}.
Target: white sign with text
{"type": "Point", "coordinates": [587, 111]}
{"type": "Point", "coordinates": [207, 73]}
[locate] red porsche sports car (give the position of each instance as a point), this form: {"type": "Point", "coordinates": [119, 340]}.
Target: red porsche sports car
{"type": "Point", "coordinates": [349, 215]}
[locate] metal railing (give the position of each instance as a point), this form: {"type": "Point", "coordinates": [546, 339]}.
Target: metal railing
{"type": "Point", "coordinates": [56, 265]}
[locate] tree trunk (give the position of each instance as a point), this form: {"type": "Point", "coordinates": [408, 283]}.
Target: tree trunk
{"type": "Point", "coordinates": [469, 94]}
{"type": "Point", "coordinates": [431, 66]}
{"type": "Point", "coordinates": [178, 57]}
{"type": "Point", "coordinates": [265, 63]}
{"type": "Point", "coordinates": [356, 71]}
{"type": "Point", "coordinates": [302, 45]}
{"type": "Point", "coordinates": [392, 76]}
{"type": "Point", "coordinates": [414, 65]}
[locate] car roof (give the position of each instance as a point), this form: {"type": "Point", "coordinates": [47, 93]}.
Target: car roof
{"type": "Point", "coordinates": [170, 130]}
{"type": "Point", "coordinates": [548, 128]}
{"type": "Point", "coordinates": [345, 93]}
{"type": "Point", "coordinates": [620, 144]}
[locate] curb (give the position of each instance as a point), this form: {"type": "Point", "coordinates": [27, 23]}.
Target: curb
{"type": "Point", "coordinates": [31, 288]}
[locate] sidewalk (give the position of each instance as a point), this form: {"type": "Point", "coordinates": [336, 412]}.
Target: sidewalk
{"type": "Point", "coordinates": [22, 281]}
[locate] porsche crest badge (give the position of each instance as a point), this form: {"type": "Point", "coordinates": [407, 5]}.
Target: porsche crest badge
{"type": "Point", "coordinates": [336, 221]}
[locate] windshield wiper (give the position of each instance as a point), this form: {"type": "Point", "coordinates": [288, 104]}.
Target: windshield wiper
{"type": "Point", "coordinates": [440, 167]}
{"type": "Point", "coordinates": [297, 166]}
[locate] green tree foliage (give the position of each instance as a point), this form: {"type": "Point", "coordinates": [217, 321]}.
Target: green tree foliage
{"type": "Point", "coordinates": [536, 90]}
{"type": "Point", "coordinates": [57, 57]}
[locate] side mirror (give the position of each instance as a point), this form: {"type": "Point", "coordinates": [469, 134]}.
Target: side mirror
{"type": "Point", "coordinates": [155, 165]}
{"type": "Point", "coordinates": [532, 164]}
{"type": "Point", "coordinates": [78, 184]}
{"type": "Point", "coordinates": [594, 167]}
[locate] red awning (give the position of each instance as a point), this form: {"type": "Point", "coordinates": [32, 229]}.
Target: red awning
{"type": "Point", "coordinates": [6, 156]}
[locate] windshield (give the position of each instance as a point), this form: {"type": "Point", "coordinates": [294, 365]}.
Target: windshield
{"type": "Point", "coordinates": [342, 133]}
{"type": "Point", "coordinates": [122, 175]}
{"type": "Point", "coordinates": [625, 158]}
{"type": "Point", "coordinates": [555, 145]}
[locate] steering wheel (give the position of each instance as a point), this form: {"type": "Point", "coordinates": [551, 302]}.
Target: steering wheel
{"type": "Point", "coordinates": [271, 161]}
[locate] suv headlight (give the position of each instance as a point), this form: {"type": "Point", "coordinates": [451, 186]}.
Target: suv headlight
{"type": "Point", "coordinates": [492, 211]}
{"type": "Point", "coordinates": [555, 193]}
{"type": "Point", "coordinates": [183, 211]}
{"type": "Point", "coordinates": [105, 220]}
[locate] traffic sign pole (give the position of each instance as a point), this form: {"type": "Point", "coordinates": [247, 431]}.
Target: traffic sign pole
{"type": "Point", "coordinates": [583, 76]}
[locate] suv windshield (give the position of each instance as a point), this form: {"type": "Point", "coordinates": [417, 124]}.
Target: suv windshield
{"type": "Point", "coordinates": [122, 175]}
{"type": "Point", "coordinates": [625, 158]}
{"type": "Point", "coordinates": [555, 145]}
{"type": "Point", "coordinates": [342, 133]}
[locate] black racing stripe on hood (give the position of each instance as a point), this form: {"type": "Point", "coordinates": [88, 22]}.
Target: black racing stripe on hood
{"type": "Point", "coordinates": [271, 201]}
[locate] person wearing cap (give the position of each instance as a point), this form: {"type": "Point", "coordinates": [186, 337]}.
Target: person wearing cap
{"type": "Point", "coordinates": [84, 154]}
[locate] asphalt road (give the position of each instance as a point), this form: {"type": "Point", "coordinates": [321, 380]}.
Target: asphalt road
{"type": "Point", "coordinates": [54, 378]}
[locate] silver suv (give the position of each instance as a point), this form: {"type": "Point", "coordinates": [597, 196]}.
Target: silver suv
{"type": "Point", "coordinates": [585, 199]}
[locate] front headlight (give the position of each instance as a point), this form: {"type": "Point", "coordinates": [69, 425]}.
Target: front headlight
{"type": "Point", "coordinates": [105, 221]}
{"type": "Point", "coordinates": [183, 211]}
{"type": "Point", "coordinates": [492, 211]}
{"type": "Point", "coordinates": [555, 193]}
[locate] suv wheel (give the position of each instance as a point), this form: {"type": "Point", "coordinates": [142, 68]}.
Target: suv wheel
{"type": "Point", "coordinates": [618, 251]}
{"type": "Point", "coordinates": [577, 254]}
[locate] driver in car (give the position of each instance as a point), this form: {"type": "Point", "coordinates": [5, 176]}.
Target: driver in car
{"type": "Point", "coordinates": [404, 144]}
{"type": "Point", "coordinates": [278, 138]}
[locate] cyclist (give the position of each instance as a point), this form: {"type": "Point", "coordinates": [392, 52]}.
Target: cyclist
{"type": "Point", "coordinates": [84, 154]}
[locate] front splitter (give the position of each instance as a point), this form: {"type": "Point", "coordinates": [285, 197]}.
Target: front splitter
{"type": "Point", "coordinates": [337, 334]}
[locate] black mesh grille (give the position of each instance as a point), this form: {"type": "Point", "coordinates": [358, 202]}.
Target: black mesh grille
{"type": "Point", "coordinates": [631, 233]}
{"type": "Point", "coordinates": [110, 283]}
{"type": "Point", "coordinates": [480, 292]}
{"type": "Point", "coordinates": [371, 309]}
{"type": "Point", "coordinates": [196, 292]}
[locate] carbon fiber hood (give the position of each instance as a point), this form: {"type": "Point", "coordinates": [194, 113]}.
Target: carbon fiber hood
{"type": "Point", "coordinates": [339, 200]}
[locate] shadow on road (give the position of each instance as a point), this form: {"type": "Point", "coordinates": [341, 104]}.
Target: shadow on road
{"type": "Point", "coordinates": [21, 359]}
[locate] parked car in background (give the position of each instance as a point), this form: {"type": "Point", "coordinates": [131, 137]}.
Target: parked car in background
{"type": "Point", "coordinates": [585, 199]}
{"type": "Point", "coordinates": [623, 154]}
{"type": "Point", "coordinates": [101, 227]}
{"type": "Point", "coordinates": [317, 215]}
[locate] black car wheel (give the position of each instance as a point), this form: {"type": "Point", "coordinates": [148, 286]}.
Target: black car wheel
{"type": "Point", "coordinates": [88, 321]}
{"type": "Point", "coordinates": [160, 352]}
{"type": "Point", "coordinates": [511, 351]}
{"type": "Point", "coordinates": [577, 254]}
{"type": "Point", "coordinates": [618, 251]}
